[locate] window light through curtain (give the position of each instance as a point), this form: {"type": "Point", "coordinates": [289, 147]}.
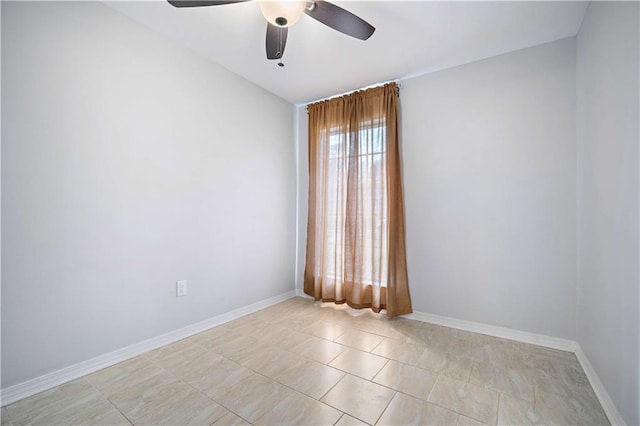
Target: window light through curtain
{"type": "Point", "coordinates": [355, 233]}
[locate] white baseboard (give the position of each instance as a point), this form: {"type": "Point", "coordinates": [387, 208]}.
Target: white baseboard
{"type": "Point", "coordinates": [301, 293]}
{"type": "Point", "coordinates": [497, 331]}
{"type": "Point", "coordinates": [31, 387]}
{"type": "Point", "coordinates": [608, 406]}
{"type": "Point", "coordinates": [536, 339]}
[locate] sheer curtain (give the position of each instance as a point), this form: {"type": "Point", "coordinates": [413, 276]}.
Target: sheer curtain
{"type": "Point", "coordinates": [355, 233]}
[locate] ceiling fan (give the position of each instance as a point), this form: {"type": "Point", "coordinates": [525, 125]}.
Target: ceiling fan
{"type": "Point", "coordinates": [280, 15]}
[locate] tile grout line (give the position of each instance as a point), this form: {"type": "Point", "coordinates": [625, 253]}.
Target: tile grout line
{"type": "Point", "coordinates": [498, 407]}
{"type": "Point", "coordinates": [425, 400]}
{"type": "Point", "coordinates": [385, 408]}
{"type": "Point", "coordinates": [376, 346]}
{"type": "Point", "coordinates": [340, 418]}
{"type": "Point", "coordinates": [108, 400]}
{"type": "Point", "coordinates": [331, 388]}
{"type": "Point", "coordinates": [433, 387]}
{"type": "Point", "coordinates": [303, 394]}
{"type": "Point", "coordinates": [8, 415]}
{"type": "Point", "coordinates": [229, 409]}
{"type": "Point", "coordinates": [382, 368]}
{"type": "Point", "coordinates": [193, 387]}
{"type": "Point", "coordinates": [450, 409]}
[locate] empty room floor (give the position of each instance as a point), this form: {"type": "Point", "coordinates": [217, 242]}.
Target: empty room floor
{"type": "Point", "coordinates": [303, 362]}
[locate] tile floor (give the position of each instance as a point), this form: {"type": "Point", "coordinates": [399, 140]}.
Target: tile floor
{"type": "Point", "coordinates": [307, 363]}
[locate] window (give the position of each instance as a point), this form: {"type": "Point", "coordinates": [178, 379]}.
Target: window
{"type": "Point", "coordinates": [367, 154]}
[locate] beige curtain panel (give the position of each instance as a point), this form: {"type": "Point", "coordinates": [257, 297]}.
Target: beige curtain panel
{"type": "Point", "coordinates": [355, 233]}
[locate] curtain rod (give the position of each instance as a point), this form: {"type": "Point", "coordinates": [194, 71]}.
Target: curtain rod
{"type": "Point", "coordinates": [398, 86]}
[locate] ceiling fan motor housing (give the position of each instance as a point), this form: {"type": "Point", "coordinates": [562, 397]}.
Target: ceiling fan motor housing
{"type": "Point", "coordinates": [282, 13]}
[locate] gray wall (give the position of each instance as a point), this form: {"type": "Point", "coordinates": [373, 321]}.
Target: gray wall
{"type": "Point", "coordinates": [489, 178]}
{"type": "Point", "coordinates": [128, 163]}
{"type": "Point", "coordinates": [608, 137]}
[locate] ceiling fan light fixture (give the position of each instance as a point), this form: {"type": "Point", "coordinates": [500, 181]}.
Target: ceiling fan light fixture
{"type": "Point", "coordinates": [282, 13]}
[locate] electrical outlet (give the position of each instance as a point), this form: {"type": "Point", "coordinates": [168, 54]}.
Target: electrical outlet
{"type": "Point", "coordinates": [181, 288]}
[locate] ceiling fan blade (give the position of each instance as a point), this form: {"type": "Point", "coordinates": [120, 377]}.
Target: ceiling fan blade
{"type": "Point", "coordinates": [199, 3]}
{"type": "Point", "coordinates": [340, 19]}
{"type": "Point", "coordinates": [276, 40]}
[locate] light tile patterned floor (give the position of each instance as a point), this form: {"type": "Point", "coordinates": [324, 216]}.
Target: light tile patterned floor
{"type": "Point", "coordinates": [307, 363]}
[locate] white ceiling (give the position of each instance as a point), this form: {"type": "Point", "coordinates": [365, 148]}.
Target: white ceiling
{"type": "Point", "coordinates": [411, 38]}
